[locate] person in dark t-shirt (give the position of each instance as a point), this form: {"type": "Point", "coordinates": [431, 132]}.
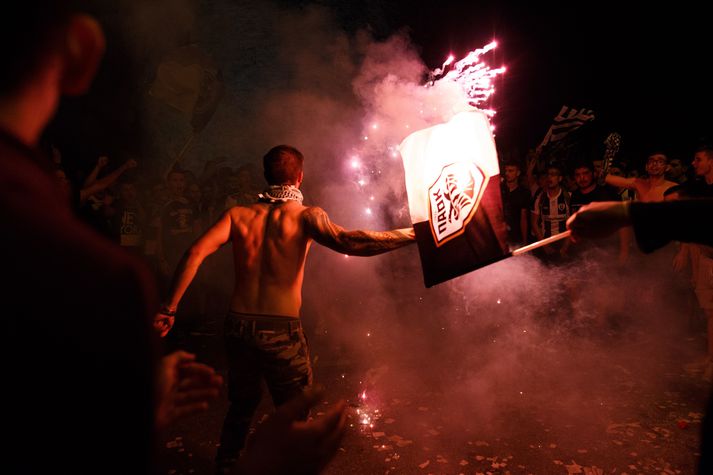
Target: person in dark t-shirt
{"type": "Point", "coordinates": [516, 203]}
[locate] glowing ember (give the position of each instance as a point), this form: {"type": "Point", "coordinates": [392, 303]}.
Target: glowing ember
{"type": "Point", "coordinates": [367, 413]}
{"type": "Point", "coordinates": [447, 62]}
{"type": "Point", "coordinates": [473, 75]}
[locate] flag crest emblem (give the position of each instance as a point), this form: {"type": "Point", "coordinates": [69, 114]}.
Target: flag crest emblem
{"type": "Point", "coordinates": [453, 199]}
{"type": "Point", "coordinates": [453, 186]}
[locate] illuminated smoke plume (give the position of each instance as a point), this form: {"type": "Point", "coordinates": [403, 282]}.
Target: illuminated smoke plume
{"type": "Point", "coordinates": [516, 337]}
{"type": "Point", "coordinates": [398, 102]}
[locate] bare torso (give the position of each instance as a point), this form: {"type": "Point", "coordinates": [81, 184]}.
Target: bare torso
{"type": "Point", "coordinates": [270, 247]}
{"type": "Point", "coordinates": [651, 189]}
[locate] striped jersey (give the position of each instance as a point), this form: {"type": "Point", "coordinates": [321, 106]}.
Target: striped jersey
{"type": "Point", "coordinates": [553, 212]}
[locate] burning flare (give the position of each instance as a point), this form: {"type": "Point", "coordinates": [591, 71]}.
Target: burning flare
{"type": "Point", "coordinates": [472, 74]}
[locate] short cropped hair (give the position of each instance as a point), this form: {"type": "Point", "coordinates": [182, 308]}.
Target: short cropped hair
{"type": "Point", "coordinates": [554, 166]}
{"type": "Point", "coordinates": [283, 165]}
{"type": "Point", "coordinates": [584, 164]}
{"type": "Point", "coordinates": [659, 152]}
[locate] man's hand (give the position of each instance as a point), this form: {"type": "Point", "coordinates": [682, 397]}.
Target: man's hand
{"type": "Point", "coordinates": [185, 387]}
{"type": "Point", "coordinates": [163, 322]}
{"type": "Point", "coordinates": [410, 232]}
{"type": "Point", "coordinates": [284, 444]}
{"type": "Point", "coordinates": [598, 220]}
{"type": "Point", "coordinates": [102, 161]}
{"type": "Point", "coordinates": [531, 162]}
{"type": "Point", "coordinates": [130, 163]}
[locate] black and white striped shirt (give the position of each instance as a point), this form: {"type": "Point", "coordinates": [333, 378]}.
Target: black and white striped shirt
{"type": "Point", "coordinates": [553, 212]}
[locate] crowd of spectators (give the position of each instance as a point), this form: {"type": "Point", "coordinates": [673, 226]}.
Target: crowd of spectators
{"type": "Point", "coordinates": [538, 202]}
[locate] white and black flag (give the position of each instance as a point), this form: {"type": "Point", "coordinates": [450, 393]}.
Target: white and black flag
{"type": "Point", "coordinates": [453, 186]}
{"type": "Point", "coordinates": [565, 122]}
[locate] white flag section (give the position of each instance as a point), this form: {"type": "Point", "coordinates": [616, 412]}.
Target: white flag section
{"type": "Point", "coordinates": [453, 186]}
{"type": "Point", "coordinates": [567, 120]}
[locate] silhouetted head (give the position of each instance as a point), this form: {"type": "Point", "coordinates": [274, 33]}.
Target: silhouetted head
{"type": "Point", "coordinates": [283, 166]}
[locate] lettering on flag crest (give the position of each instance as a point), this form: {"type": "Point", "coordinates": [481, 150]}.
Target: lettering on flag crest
{"type": "Point", "coordinates": [453, 199]}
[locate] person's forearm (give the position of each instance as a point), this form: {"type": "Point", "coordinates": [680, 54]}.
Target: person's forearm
{"type": "Point", "coordinates": [184, 275]}
{"type": "Point", "coordinates": [102, 183]}
{"type": "Point", "coordinates": [684, 221]}
{"type": "Point", "coordinates": [371, 243]}
{"type": "Point", "coordinates": [92, 176]}
{"type": "Point", "coordinates": [355, 243]}
{"type": "Point", "coordinates": [620, 182]}
{"type": "Point", "coordinates": [111, 177]}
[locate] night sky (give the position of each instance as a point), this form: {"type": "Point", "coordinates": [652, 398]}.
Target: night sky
{"type": "Point", "coordinates": [643, 70]}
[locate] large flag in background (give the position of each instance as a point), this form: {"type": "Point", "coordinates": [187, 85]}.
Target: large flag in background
{"type": "Point", "coordinates": [188, 80]}
{"type": "Point", "coordinates": [453, 186]}
{"type": "Point", "coordinates": [566, 121]}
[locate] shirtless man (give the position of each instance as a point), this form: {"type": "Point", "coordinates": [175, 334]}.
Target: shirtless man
{"type": "Point", "coordinates": [651, 188]}
{"type": "Point", "coordinates": [263, 333]}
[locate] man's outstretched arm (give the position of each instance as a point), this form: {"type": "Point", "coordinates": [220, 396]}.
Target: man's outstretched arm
{"type": "Point", "coordinates": [655, 223]}
{"type": "Point", "coordinates": [620, 182]}
{"type": "Point", "coordinates": [354, 243]}
{"type": "Point", "coordinates": [207, 244]}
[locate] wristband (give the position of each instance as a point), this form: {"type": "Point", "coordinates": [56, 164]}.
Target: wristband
{"type": "Point", "coordinates": [167, 312]}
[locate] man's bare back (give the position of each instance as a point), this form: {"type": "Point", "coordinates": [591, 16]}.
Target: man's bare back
{"type": "Point", "coordinates": [270, 246]}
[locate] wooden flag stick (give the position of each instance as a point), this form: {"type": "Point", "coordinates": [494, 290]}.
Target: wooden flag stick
{"type": "Point", "coordinates": [179, 157]}
{"type": "Point", "coordinates": [544, 242]}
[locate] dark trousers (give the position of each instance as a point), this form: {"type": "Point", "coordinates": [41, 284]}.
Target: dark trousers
{"type": "Point", "coordinates": [257, 347]}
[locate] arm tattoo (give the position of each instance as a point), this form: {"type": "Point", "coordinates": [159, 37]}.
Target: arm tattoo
{"type": "Point", "coordinates": [355, 243]}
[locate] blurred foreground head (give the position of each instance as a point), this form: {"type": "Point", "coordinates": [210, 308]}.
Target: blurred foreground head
{"type": "Point", "coordinates": [49, 49]}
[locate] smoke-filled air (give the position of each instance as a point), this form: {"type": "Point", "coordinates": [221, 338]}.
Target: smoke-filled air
{"type": "Point", "coordinates": [520, 366]}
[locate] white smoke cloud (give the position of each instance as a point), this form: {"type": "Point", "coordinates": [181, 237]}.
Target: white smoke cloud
{"type": "Point", "coordinates": [514, 336]}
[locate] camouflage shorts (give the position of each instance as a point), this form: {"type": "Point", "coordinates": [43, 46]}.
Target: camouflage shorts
{"type": "Point", "coordinates": [269, 347]}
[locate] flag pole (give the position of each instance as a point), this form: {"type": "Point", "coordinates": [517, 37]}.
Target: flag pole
{"type": "Point", "coordinates": [179, 157]}
{"type": "Point", "coordinates": [525, 249]}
